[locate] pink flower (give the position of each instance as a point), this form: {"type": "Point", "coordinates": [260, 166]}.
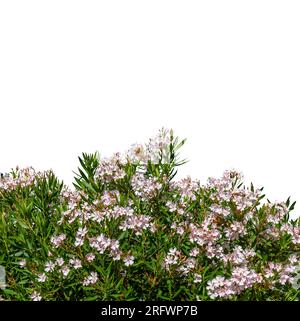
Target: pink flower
{"type": "Point", "coordinates": [145, 187]}
{"type": "Point", "coordinates": [171, 206]}
{"type": "Point", "coordinates": [91, 279]}
{"type": "Point", "coordinates": [60, 261]}
{"type": "Point", "coordinates": [194, 252]}
{"type": "Point", "coordinates": [49, 266]}
{"type": "Point", "coordinates": [57, 240]}
{"type": "Point", "coordinates": [114, 245]}
{"type": "Point", "coordinates": [128, 260]}
{"type": "Point", "coordinates": [236, 230]}
{"type": "Point", "coordinates": [137, 223]}
{"type": "Point", "coordinates": [65, 270]}
{"type": "Point", "coordinates": [100, 243]}
{"type": "Point", "coordinates": [116, 254]}
{"type": "Point", "coordinates": [110, 169]}
{"type": "Point", "coordinates": [242, 278]}
{"type": "Point", "coordinates": [90, 257]}
{"type": "Point", "coordinates": [76, 263]}
{"type": "Point", "coordinates": [186, 188]}
{"type": "Point", "coordinates": [35, 296]}
{"type": "Point", "coordinates": [42, 277]}
{"type": "Point", "coordinates": [197, 278]}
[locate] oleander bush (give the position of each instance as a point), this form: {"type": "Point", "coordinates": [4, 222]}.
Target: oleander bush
{"type": "Point", "coordinates": [128, 230]}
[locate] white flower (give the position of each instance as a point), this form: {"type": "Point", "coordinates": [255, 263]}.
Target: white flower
{"type": "Point", "coordinates": [35, 296]}
{"type": "Point", "coordinates": [65, 270]}
{"type": "Point", "coordinates": [194, 252]}
{"type": "Point", "coordinates": [173, 251]}
{"type": "Point", "coordinates": [293, 259]}
{"type": "Point", "coordinates": [116, 255]}
{"type": "Point", "coordinates": [22, 263]}
{"type": "Point", "coordinates": [197, 278]}
{"type": "Point", "coordinates": [114, 245]}
{"type": "Point", "coordinates": [90, 257]}
{"type": "Point", "coordinates": [56, 241]}
{"type": "Point", "coordinates": [91, 279]}
{"type": "Point", "coordinates": [171, 206]}
{"type": "Point", "coordinates": [79, 241]}
{"type": "Point", "coordinates": [180, 230]}
{"type": "Point", "coordinates": [42, 277]}
{"type": "Point", "coordinates": [76, 263]}
{"type": "Point", "coordinates": [128, 260]}
{"type": "Point", "coordinates": [169, 260]}
{"type": "Point", "coordinates": [60, 261]}
{"type": "Point", "coordinates": [49, 266]}
{"type": "Point", "coordinates": [81, 232]}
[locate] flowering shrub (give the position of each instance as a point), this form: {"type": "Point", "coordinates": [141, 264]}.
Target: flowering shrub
{"type": "Point", "coordinates": [129, 231]}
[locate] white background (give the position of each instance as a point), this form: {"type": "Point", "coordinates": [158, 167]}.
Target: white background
{"type": "Point", "coordinates": [82, 76]}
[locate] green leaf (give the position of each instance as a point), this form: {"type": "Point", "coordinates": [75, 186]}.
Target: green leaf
{"type": "Point", "coordinates": [292, 206]}
{"type": "Point", "coordinates": [22, 224]}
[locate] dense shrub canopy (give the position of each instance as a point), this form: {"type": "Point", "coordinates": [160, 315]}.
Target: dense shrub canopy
{"type": "Point", "coordinates": [129, 231]}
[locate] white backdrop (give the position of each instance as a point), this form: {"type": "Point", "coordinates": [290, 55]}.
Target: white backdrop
{"type": "Point", "coordinates": [99, 75]}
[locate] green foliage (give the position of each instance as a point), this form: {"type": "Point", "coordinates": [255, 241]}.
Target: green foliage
{"type": "Point", "coordinates": [35, 213]}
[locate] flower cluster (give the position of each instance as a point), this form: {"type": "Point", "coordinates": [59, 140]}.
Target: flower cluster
{"type": "Point", "coordinates": [235, 230]}
{"type": "Point", "coordinates": [172, 258]}
{"type": "Point", "coordinates": [57, 240]}
{"type": "Point", "coordinates": [154, 151]}
{"type": "Point", "coordinates": [145, 187]}
{"type": "Point", "coordinates": [227, 222]}
{"type": "Point", "coordinates": [279, 272]}
{"type": "Point", "coordinates": [101, 243]}
{"type": "Point", "coordinates": [128, 260]}
{"type": "Point", "coordinates": [186, 188]}
{"type": "Point", "coordinates": [80, 235]}
{"type": "Point", "coordinates": [205, 234]}
{"type": "Point", "coordinates": [238, 256]}
{"type": "Point", "coordinates": [111, 169]}
{"type": "Point", "coordinates": [137, 223]}
{"type": "Point", "coordinates": [91, 279]}
{"type": "Point", "coordinates": [227, 188]}
{"type": "Point", "coordinates": [21, 178]}
{"type": "Point", "coordinates": [242, 278]}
